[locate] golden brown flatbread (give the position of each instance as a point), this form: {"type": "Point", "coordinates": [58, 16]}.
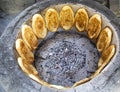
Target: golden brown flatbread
{"type": "Point", "coordinates": [81, 81]}
{"type": "Point", "coordinates": [52, 19]}
{"type": "Point", "coordinates": [24, 51]}
{"type": "Point", "coordinates": [26, 67]}
{"type": "Point", "coordinates": [107, 54]}
{"type": "Point", "coordinates": [66, 17]}
{"type": "Point", "coordinates": [81, 19]}
{"type": "Point", "coordinates": [104, 39]}
{"type": "Point", "coordinates": [29, 37]}
{"type": "Point", "coordinates": [94, 26]}
{"type": "Point", "coordinates": [38, 25]}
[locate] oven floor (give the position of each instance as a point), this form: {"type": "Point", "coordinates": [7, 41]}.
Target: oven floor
{"type": "Point", "coordinates": [66, 58]}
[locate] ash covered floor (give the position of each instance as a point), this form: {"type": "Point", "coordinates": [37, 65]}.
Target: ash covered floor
{"type": "Point", "coordinates": [66, 58]}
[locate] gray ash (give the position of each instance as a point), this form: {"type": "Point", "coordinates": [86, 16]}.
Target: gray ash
{"type": "Point", "coordinates": [66, 58]}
